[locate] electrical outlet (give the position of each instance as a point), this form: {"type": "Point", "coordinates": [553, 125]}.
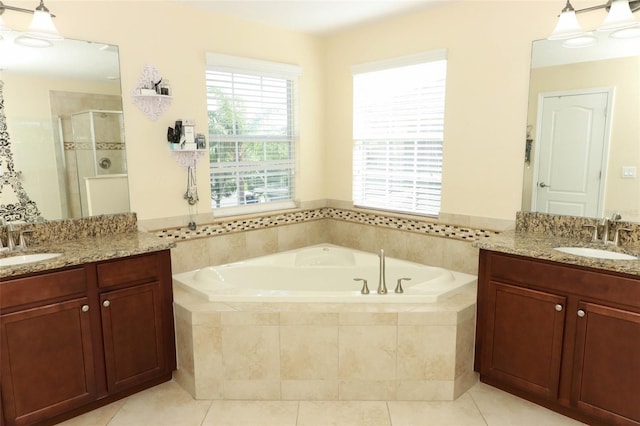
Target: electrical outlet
{"type": "Point", "coordinates": [629, 171]}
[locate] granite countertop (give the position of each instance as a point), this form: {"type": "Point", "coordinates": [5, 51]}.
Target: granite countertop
{"type": "Point", "coordinates": [85, 250]}
{"type": "Point", "coordinates": [540, 246]}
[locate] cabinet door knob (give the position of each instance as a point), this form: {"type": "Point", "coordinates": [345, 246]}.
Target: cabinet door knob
{"type": "Point", "coordinates": [558, 307]}
{"type": "Point", "coordinates": [581, 313]}
{"type": "Point", "coordinates": [85, 308]}
{"type": "Point", "coordinates": [106, 303]}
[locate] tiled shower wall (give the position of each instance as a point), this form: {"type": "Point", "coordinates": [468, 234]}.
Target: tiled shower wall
{"type": "Point", "coordinates": [411, 239]}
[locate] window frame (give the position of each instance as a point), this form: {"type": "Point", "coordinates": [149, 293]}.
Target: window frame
{"type": "Point", "coordinates": [368, 144]}
{"type": "Point", "coordinates": [217, 62]}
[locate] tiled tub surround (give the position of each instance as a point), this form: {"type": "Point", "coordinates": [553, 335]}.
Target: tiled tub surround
{"type": "Point", "coordinates": [322, 351]}
{"type": "Point", "coordinates": [537, 234]}
{"type": "Point", "coordinates": [83, 240]}
{"type": "Point", "coordinates": [413, 239]}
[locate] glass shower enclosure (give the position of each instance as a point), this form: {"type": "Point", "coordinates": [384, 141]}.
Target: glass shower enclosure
{"type": "Point", "coordinates": [99, 177]}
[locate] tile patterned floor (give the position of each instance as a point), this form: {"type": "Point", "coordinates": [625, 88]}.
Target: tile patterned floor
{"type": "Point", "coordinates": [168, 404]}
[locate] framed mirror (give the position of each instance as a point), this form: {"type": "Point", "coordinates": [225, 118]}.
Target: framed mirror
{"type": "Point", "coordinates": [582, 149]}
{"type": "Point", "coordinates": [63, 113]}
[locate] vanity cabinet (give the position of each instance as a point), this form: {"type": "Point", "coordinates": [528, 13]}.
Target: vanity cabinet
{"type": "Point", "coordinates": [564, 337]}
{"type": "Point", "coordinates": [79, 338]}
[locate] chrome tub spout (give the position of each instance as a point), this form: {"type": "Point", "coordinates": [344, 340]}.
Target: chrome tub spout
{"type": "Point", "coordinates": [382, 282]}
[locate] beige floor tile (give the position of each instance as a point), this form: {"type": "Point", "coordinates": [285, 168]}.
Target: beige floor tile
{"type": "Point", "coordinates": [461, 412]}
{"type": "Point", "coordinates": [98, 417]}
{"type": "Point", "coordinates": [252, 413]}
{"type": "Point", "coordinates": [343, 413]}
{"type": "Point", "coordinates": [165, 404]}
{"type": "Point", "coordinates": [500, 408]}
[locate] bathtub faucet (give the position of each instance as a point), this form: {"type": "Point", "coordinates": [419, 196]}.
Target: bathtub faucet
{"type": "Point", "coordinates": [382, 282]}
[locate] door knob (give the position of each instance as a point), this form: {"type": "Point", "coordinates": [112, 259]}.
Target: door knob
{"type": "Point", "coordinates": [581, 313]}
{"type": "Point", "coordinates": [85, 308]}
{"type": "Point", "coordinates": [543, 185]}
{"type": "Point", "coordinates": [106, 303]}
{"type": "Point", "coordinates": [558, 307]}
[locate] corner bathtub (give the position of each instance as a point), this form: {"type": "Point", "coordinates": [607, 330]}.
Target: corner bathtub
{"type": "Point", "coordinates": [321, 273]}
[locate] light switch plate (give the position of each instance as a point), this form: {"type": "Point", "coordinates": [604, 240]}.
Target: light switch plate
{"type": "Point", "coordinates": [629, 171]}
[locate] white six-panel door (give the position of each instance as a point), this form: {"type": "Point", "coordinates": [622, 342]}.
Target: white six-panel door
{"type": "Point", "coordinates": [572, 152]}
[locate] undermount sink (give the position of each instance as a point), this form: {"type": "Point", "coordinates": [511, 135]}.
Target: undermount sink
{"type": "Point", "coordinates": [597, 253]}
{"type": "Point", "coordinates": [27, 258]}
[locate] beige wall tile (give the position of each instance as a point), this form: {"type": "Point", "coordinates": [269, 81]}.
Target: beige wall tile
{"type": "Point", "coordinates": [354, 235]}
{"type": "Point", "coordinates": [465, 343]}
{"type": "Point", "coordinates": [184, 345]}
{"type": "Point", "coordinates": [426, 352]}
{"type": "Point", "coordinates": [208, 364]}
{"type": "Point", "coordinates": [250, 353]}
{"type": "Point", "coordinates": [308, 352]}
{"type": "Point", "coordinates": [460, 256]}
{"type": "Point", "coordinates": [189, 255]}
{"type": "Point", "coordinates": [249, 318]}
{"type": "Point", "coordinates": [302, 234]}
{"type": "Point", "coordinates": [368, 318]}
{"type": "Point", "coordinates": [367, 352]}
{"type": "Point", "coordinates": [309, 390]}
{"type": "Point", "coordinates": [227, 248]}
{"type": "Point", "coordinates": [464, 382]}
{"type": "Point", "coordinates": [261, 242]}
{"type": "Point", "coordinates": [367, 390]}
{"type": "Point", "coordinates": [428, 318]}
{"type": "Point", "coordinates": [252, 389]}
{"type": "Point", "coordinates": [308, 318]}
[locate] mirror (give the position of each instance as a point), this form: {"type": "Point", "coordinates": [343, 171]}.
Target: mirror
{"type": "Point", "coordinates": [63, 113]}
{"type": "Point", "coordinates": [582, 149]}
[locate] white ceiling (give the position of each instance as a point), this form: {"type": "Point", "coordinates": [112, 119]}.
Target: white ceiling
{"type": "Point", "coordinates": [319, 17]}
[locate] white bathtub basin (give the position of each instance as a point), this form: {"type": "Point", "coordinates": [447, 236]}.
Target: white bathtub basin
{"type": "Point", "coordinates": [27, 258]}
{"type": "Point", "coordinates": [596, 253]}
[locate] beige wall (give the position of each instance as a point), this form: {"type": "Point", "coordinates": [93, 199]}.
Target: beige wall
{"type": "Point", "coordinates": [489, 47]}
{"type": "Point", "coordinates": [175, 39]}
{"type": "Point", "coordinates": [488, 44]}
{"type": "Point", "coordinates": [622, 195]}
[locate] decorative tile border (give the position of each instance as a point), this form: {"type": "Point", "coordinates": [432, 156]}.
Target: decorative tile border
{"type": "Point", "coordinates": [398, 223]}
{"type": "Point", "coordinates": [109, 146]}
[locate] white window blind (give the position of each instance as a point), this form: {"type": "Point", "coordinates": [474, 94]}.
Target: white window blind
{"type": "Point", "coordinates": [398, 133]}
{"type": "Point", "coordinates": [250, 107]}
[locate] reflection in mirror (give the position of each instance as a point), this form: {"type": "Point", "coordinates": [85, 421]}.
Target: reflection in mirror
{"type": "Point", "coordinates": [63, 107]}
{"type": "Point", "coordinates": [582, 129]}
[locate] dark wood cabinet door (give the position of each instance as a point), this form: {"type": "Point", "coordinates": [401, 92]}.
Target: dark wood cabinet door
{"type": "Point", "coordinates": [133, 335]}
{"type": "Point", "coordinates": [47, 361]}
{"type": "Point", "coordinates": [523, 338]}
{"type": "Point", "coordinates": [606, 379]}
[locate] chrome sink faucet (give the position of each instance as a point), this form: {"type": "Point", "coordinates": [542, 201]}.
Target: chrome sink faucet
{"type": "Point", "coordinates": [11, 242]}
{"type": "Point", "coordinates": [382, 282]}
{"type": "Point", "coordinates": [606, 222]}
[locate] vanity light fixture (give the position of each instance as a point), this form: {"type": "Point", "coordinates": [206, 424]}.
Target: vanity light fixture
{"type": "Point", "coordinates": [619, 20]}
{"type": "Point", "coordinates": [41, 27]}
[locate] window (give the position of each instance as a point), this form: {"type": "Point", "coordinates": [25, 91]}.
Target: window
{"type": "Point", "coordinates": [250, 107]}
{"type": "Point", "coordinates": [398, 127]}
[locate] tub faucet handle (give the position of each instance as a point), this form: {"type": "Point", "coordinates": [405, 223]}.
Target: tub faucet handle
{"type": "Point", "coordinates": [399, 288]}
{"type": "Point", "coordinates": [365, 288]}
